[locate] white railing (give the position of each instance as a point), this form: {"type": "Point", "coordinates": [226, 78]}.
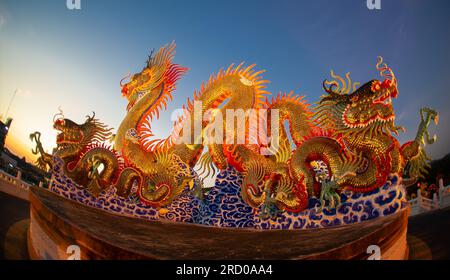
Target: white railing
{"type": "Point", "coordinates": [444, 195]}
{"type": "Point", "coordinates": [15, 180]}
{"type": "Point", "coordinates": [422, 204]}
{"type": "Point", "coordinates": [13, 185]}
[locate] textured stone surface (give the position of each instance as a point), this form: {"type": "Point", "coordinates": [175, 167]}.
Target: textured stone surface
{"type": "Point", "coordinates": [104, 235]}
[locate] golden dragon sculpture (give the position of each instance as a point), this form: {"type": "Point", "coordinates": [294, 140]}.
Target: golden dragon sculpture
{"type": "Point", "coordinates": [350, 132]}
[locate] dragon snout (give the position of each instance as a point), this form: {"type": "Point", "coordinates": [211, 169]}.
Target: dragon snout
{"type": "Point", "coordinates": [59, 123]}
{"type": "Point", "coordinates": [394, 93]}
{"type": "Point", "coordinates": [124, 90]}
{"type": "Point", "coordinates": [391, 86]}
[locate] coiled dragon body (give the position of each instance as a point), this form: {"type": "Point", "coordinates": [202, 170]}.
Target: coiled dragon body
{"type": "Point", "coordinates": [349, 131]}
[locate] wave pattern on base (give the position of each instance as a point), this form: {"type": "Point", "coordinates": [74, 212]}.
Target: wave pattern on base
{"type": "Point", "coordinates": [223, 206]}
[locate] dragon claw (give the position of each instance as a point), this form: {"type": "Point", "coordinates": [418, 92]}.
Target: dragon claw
{"type": "Point", "coordinates": [328, 195]}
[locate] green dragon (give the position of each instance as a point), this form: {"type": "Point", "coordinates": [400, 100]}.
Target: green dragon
{"type": "Point", "coordinates": [44, 161]}
{"type": "Point", "coordinates": [418, 165]}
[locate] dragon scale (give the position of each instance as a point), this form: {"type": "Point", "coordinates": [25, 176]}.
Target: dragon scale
{"type": "Point", "coordinates": [349, 133]}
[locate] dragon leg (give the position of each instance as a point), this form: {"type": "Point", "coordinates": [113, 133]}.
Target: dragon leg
{"type": "Point", "coordinates": [289, 195]}
{"type": "Point", "coordinates": [328, 193]}
{"type": "Point", "coordinates": [252, 184]}
{"type": "Point", "coordinates": [89, 164]}
{"type": "Point", "coordinates": [360, 172]}
{"type": "Point", "coordinates": [165, 180]}
{"type": "Point", "coordinates": [317, 148]}
{"type": "Point", "coordinates": [127, 178]}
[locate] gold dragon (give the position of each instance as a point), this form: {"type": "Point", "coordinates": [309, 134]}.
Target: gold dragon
{"type": "Point", "coordinates": [349, 131]}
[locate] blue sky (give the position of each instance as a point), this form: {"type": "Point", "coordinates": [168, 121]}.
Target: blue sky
{"type": "Point", "coordinates": [75, 58]}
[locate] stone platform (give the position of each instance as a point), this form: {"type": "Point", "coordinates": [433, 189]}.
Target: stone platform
{"type": "Point", "coordinates": [57, 222]}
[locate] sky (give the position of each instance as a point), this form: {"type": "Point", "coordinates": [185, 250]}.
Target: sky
{"type": "Point", "coordinates": [74, 59]}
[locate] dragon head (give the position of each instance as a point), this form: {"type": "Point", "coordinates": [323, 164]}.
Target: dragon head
{"type": "Point", "coordinates": [355, 110]}
{"type": "Point", "coordinates": [433, 114]}
{"type": "Point", "coordinates": [157, 79]}
{"type": "Point", "coordinates": [73, 137]}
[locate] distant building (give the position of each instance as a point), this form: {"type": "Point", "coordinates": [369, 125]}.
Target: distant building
{"type": "Point", "coordinates": [4, 128]}
{"type": "Point", "coordinates": [12, 164]}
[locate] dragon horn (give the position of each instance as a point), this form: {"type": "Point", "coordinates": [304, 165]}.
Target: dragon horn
{"type": "Point", "coordinates": [383, 68]}
{"type": "Point", "coordinates": [89, 118]}
{"type": "Point", "coordinates": [126, 77]}
{"type": "Point", "coordinates": [150, 57]}
{"type": "Point", "coordinates": [329, 89]}
{"type": "Point", "coordinates": [60, 114]}
{"type": "Point", "coordinates": [332, 94]}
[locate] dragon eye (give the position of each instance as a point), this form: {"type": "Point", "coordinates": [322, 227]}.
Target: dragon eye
{"type": "Point", "coordinates": [376, 86]}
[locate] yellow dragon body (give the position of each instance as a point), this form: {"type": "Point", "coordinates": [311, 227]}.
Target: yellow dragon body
{"type": "Point", "coordinates": [349, 130]}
